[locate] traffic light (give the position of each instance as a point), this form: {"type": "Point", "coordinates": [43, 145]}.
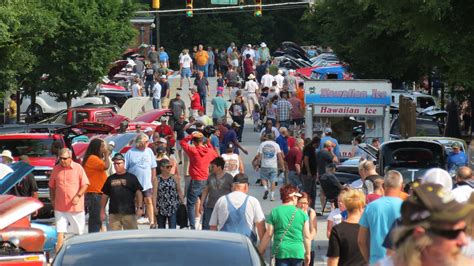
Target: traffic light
{"type": "Point", "coordinates": [189, 8]}
{"type": "Point", "coordinates": [155, 4]}
{"type": "Point", "coordinates": [258, 8]}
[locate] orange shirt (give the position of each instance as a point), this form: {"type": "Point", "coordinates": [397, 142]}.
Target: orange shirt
{"type": "Point", "coordinates": [300, 95]}
{"type": "Point", "coordinates": [95, 171]}
{"type": "Point", "coordinates": [201, 57]}
{"type": "Point", "coordinates": [67, 181]}
{"type": "Point", "coordinates": [403, 196]}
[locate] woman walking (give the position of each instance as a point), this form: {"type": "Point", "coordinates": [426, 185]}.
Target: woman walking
{"type": "Point", "coordinates": [169, 196]}
{"type": "Point", "coordinates": [292, 241]}
{"type": "Point", "coordinates": [95, 164]}
{"type": "Point", "coordinates": [238, 111]}
{"type": "Point", "coordinates": [303, 203]}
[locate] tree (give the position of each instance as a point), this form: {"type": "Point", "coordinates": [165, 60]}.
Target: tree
{"type": "Point", "coordinates": [90, 35]}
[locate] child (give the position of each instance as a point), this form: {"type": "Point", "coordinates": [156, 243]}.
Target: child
{"type": "Point", "coordinates": [337, 215]}
{"type": "Point", "coordinates": [220, 83]}
{"type": "Point", "coordinates": [256, 118]}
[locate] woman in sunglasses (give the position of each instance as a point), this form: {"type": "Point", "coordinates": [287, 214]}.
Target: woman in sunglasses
{"type": "Point", "coordinates": [169, 196]}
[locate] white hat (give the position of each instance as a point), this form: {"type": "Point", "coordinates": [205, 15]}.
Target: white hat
{"type": "Point", "coordinates": [292, 71]}
{"type": "Point", "coordinates": [163, 140]}
{"type": "Point", "coordinates": [263, 44]}
{"type": "Point", "coordinates": [249, 45]}
{"type": "Point", "coordinates": [112, 143]}
{"type": "Point", "coordinates": [438, 176]}
{"type": "Point", "coordinates": [328, 130]}
{"type": "Point", "coordinates": [163, 76]}
{"type": "Point", "coordinates": [148, 129]}
{"type": "Point", "coordinates": [251, 76]}
{"type": "Point", "coordinates": [280, 71]}
{"type": "Point", "coordinates": [7, 153]}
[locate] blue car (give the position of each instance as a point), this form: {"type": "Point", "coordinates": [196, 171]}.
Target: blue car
{"type": "Point", "coordinates": [329, 72]}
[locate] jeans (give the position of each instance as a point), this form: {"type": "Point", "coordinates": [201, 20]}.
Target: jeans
{"type": "Point", "coordinates": [156, 103]}
{"type": "Point", "coordinates": [239, 120]}
{"type": "Point", "coordinates": [211, 70]}
{"type": "Point", "coordinates": [148, 86]}
{"type": "Point", "coordinates": [203, 101]}
{"type": "Point", "coordinates": [206, 217]}
{"type": "Point", "coordinates": [204, 69]}
{"type": "Point", "coordinates": [161, 220]}
{"type": "Point", "coordinates": [289, 262]}
{"type": "Point", "coordinates": [294, 179]}
{"type": "Point", "coordinates": [93, 208]}
{"type": "Point", "coordinates": [285, 123]}
{"type": "Point", "coordinates": [194, 191]}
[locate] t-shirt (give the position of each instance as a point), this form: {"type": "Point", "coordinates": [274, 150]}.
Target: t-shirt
{"type": "Point", "coordinates": [273, 130]}
{"type": "Point", "coordinates": [153, 56]}
{"type": "Point", "coordinates": [323, 158]}
{"type": "Point", "coordinates": [294, 156]}
{"type": "Point", "coordinates": [378, 217]}
{"type": "Point", "coordinates": [195, 101]}
{"type": "Point", "coordinates": [253, 211]}
{"type": "Point", "coordinates": [140, 164]}
{"type": "Point", "coordinates": [248, 65]}
{"type": "Point", "coordinates": [179, 128]}
{"type": "Point", "coordinates": [267, 81]}
{"type": "Point", "coordinates": [156, 91]}
{"type": "Point", "coordinates": [185, 61]}
{"type": "Point", "coordinates": [232, 163]}
{"type": "Point", "coordinates": [26, 187]}
{"type": "Point", "coordinates": [164, 56]}
{"type": "Point", "coordinates": [149, 72]}
{"type": "Point", "coordinates": [334, 141]}
{"type": "Point", "coordinates": [201, 58]}
{"type": "Point", "coordinates": [335, 216]}
{"type": "Point", "coordinates": [12, 109]}
{"type": "Point", "coordinates": [220, 106]}
{"type": "Point", "coordinates": [343, 244]}
{"type": "Point", "coordinates": [232, 78]}
{"type": "Point", "coordinates": [292, 245]}
{"type": "Point", "coordinates": [201, 85]}
{"type": "Point", "coordinates": [177, 107]}
{"type": "Point", "coordinates": [121, 190]}
{"type": "Point", "coordinates": [218, 187]}
{"type": "Point", "coordinates": [330, 185]}
{"type": "Point", "coordinates": [283, 143]}
{"type": "Point", "coordinates": [269, 151]}
{"type": "Point", "coordinates": [95, 171]}
{"type": "Point", "coordinates": [372, 197]}
{"type": "Point", "coordinates": [296, 111]}
{"type": "Point", "coordinates": [230, 136]}
{"type": "Point", "coordinates": [164, 88]}
{"type": "Point", "coordinates": [313, 164]}
{"type": "Point", "coordinates": [135, 90]}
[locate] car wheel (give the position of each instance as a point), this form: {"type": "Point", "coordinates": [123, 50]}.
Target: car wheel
{"type": "Point", "coordinates": [34, 112]}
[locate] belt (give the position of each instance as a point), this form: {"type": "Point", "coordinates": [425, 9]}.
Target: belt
{"type": "Point", "coordinates": [94, 193]}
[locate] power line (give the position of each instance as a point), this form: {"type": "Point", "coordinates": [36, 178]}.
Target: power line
{"type": "Point", "coordinates": [267, 7]}
{"type": "Point", "coordinates": [232, 11]}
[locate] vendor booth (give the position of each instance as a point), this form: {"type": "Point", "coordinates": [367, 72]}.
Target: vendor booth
{"type": "Point", "coordinates": [349, 108]}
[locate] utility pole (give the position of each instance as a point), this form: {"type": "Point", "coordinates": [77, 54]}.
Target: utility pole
{"type": "Point", "coordinates": [155, 4]}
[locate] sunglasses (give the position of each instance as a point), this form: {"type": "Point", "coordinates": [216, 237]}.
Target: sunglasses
{"type": "Point", "coordinates": [64, 158]}
{"type": "Point", "coordinates": [448, 234]}
{"type": "Point", "coordinates": [119, 163]}
{"type": "Point", "coordinates": [167, 167]}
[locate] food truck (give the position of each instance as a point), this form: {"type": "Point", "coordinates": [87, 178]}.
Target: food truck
{"type": "Point", "coordinates": [349, 108]}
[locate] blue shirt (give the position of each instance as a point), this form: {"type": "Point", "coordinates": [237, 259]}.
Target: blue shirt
{"type": "Point", "coordinates": [220, 105]}
{"type": "Point", "coordinates": [164, 56]}
{"type": "Point", "coordinates": [283, 143]}
{"type": "Point", "coordinates": [140, 164]}
{"type": "Point", "coordinates": [230, 136]}
{"type": "Point", "coordinates": [333, 140]}
{"type": "Point", "coordinates": [215, 141]}
{"type": "Point", "coordinates": [456, 159]}
{"type": "Point", "coordinates": [378, 217]}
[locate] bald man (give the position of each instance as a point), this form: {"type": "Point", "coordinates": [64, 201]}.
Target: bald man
{"type": "Point", "coordinates": [465, 184]}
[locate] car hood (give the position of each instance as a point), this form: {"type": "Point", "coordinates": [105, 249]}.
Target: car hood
{"type": "Point", "coordinates": [116, 67]}
{"type": "Point", "coordinates": [152, 115]}
{"type": "Point", "coordinates": [43, 161]}
{"type": "Point", "coordinates": [136, 106]}
{"type": "Point", "coordinates": [97, 127]}
{"type": "Point", "coordinates": [11, 175]}
{"type": "Point", "coordinates": [14, 208]}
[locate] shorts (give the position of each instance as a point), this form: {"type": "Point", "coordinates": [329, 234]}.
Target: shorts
{"type": "Point", "coordinates": [269, 174]}
{"type": "Point", "coordinates": [186, 72]}
{"type": "Point", "coordinates": [122, 221]}
{"type": "Point", "coordinates": [147, 193]}
{"type": "Point", "coordinates": [298, 121]}
{"type": "Point", "coordinates": [220, 89]}
{"type": "Point", "coordinates": [235, 62]}
{"type": "Point", "coordinates": [70, 222]}
{"type": "Point", "coordinates": [178, 146]}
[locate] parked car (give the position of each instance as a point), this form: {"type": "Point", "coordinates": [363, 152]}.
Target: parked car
{"type": "Point", "coordinates": [159, 247]}
{"type": "Point", "coordinates": [421, 100]}
{"type": "Point", "coordinates": [425, 127]}
{"type": "Point", "coordinates": [117, 94]}
{"type": "Point", "coordinates": [329, 72]}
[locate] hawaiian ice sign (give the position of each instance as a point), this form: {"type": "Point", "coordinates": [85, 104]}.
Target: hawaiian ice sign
{"type": "Point", "coordinates": [348, 93]}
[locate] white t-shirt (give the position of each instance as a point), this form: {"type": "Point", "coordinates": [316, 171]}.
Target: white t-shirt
{"type": "Point", "coordinates": [462, 193]}
{"type": "Point", "coordinates": [135, 90]}
{"type": "Point", "coordinates": [267, 80]}
{"type": "Point", "coordinates": [269, 150]}
{"type": "Point", "coordinates": [274, 131]}
{"type": "Point", "coordinates": [185, 61]}
{"type": "Point", "coordinates": [251, 52]}
{"type": "Point", "coordinates": [232, 163]}
{"type": "Point", "coordinates": [335, 216]}
{"type": "Point", "coordinates": [279, 79]}
{"type": "Point", "coordinates": [251, 86]}
{"type": "Point", "coordinates": [253, 212]}
{"type": "Point", "coordinates": [156, 91]}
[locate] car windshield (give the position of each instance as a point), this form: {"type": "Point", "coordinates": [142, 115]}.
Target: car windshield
{"type": "Point", "coordinates": [29, 147]}
{"type": "Point", "coordinates": [424, 128]}
{"type": "Point", "coordinates": [157, 252]}
{"type": "Point", "coordinates": [425, 102]}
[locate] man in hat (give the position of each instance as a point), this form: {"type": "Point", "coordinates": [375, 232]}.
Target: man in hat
{"type": "Point", "coordinates": [165, 91]}
{"type": "Point", "coordinates": [165, 131]}
{"type": "Point", "coordinates": [264, 53]}
{"type": "Point", "coordinates": [433, 229]}
{"type": "Point", "coordinates": [231, 137]}
{"type": "Point", "coordinates": [328, 136]}
{"type": "Point", "coordinates": [239, 212]}
{"type": "Point", "coordinates": [200, 156]}
{"type": "Point", "coordinates": [202, 86]}
{"type": "Point", "coordinates": [251, 87]}
{"type": "Point", "coordinates": [203, 118]}
{"type": "Point", "coordinates": [220, 108]}
{"type": "Point", "coordinates": [6, 157]}
{"type": "Point", "coordinates": [378, 217]}
{"type": "Point", "coordinates": [195, 100]}
{"type": "Point", "coordinates": [456, 158]}
{"type": "Point", "coordinates": [149, 132]}
{"type": "Point", "coordinates": [122, 188]}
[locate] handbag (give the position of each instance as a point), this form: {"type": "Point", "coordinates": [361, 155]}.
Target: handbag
{"type": "Point", "coordinates": [182, 216]}
{"type": "Point", "coordinates": [272, 262]}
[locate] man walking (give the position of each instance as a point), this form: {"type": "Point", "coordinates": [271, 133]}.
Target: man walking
{"type": "Point", "coordinates": [200, 155]}
{"type": "Point", "coordinates": [185, 66]}
{"type": "Point", "coordinates": [164, 58]}
{"type": "Point", "coordinates": [218, 184]}
{"type": "Point", "coordinates": [464, 184]}
{"type": "Point", "coordinates": [202, 87]}
{"type": "Point", "coordinates": [294, 161]}
{"type": "Point", "coordinates": [178, 108]}
{"type": "Point", "coordinates": [238, 212]}
{"type": "Point", "coordinates": [220, 108]}
{"type": "Point", "coordinates": [268, 160]}
{"type": "Point", "coordinates": [202, 59]}
{"type": "Point", "coordinates": [156, 93]}
{"type": "Point", "coordinates": [122, 188]}
{"type": "Point", "coordinates": [67, 184]}
{"type": "Point", "coordinates": [141, 162]}
{"type": "Point", "coordinates": [165, 91]}
{"type": "Point", "coordinates": [378, 217]}
{"type": "Point", "coordinates": [284, 110]}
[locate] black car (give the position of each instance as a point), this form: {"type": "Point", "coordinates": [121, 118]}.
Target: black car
{"type": "Point", "coordinates": [426, 126]}
{"type": "Point", "coordinates": [159, 247]}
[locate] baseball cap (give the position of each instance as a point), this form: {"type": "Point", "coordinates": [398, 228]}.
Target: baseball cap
{"type": "Point", "coordinates": [163, 118]}
{"type": "Point", "coordinates": [118, 156]}
{"type": "Point", "coordinates": [230, 146]}
{"type": "Point", "coordinates": [201, 109]}
{"type": "Point", "coordinates": [148, 129]}
{"type": "Point", "coordinates": [163, 76]}
{"type": "Point", "coordinates": [431, 202]}
{"type": "Point", "coordinates": [160, 149]}
{"type": "Point", "coordinates": [112, 143]}
{"type": "Point", "coordinates": [163, 140]}
{"type": "Point", "coordinates": [197, 134]}
{"type": "Point", "coordinates": [456, 145]}
{"type": "Point", "coordinates": [177, 94]}
{"type": "Point", "coordinates": [438, 176]}
{"type": "Point", "coordinates": [240, 179]}
{"type": "Point", "coordinates": [327, 130]}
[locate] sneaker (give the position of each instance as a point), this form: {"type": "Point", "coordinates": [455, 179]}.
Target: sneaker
{"type": "Point", "coordinates": [265, 196]}
{"type": "Point", "coordinates": [272, 199]}
{"type": "Point", "coordinates": [180, 162]}
{"type": "Point", "coordinates": [153, 226]}
{"type": "Point", "coordinates": [178, 89]}
{"type": "Point", "coordinates": [143, 220]}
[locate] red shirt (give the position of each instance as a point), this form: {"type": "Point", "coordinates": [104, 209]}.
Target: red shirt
{"type": "Point", "coordinates": [223, 130]}
{"type": "Point", "coordinates": [291, 142]}
{"type": "Point", "coordinates": [200, 158]}
{"type": "Point", "coordinates": [372, 197]}
{"type": "Point", "coordinates": [166, 132]}
{"type": "Point", "coordinates": [195, 101]}
{"type": "Point", "coordinates": [248, 66]}
{"type": "Point", "coordinates": [294, 156]}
